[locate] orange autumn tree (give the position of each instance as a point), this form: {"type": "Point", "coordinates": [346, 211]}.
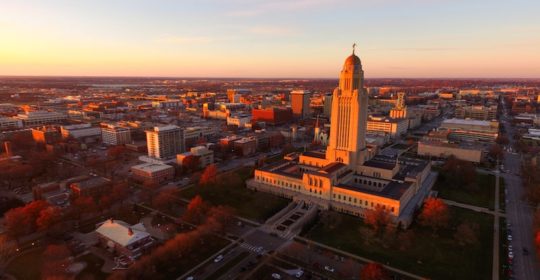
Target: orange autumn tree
{"type": "Point", "coordinates": [378, 218]}
{"type": "Point", "coordinates": [373, 271]}
{"type": "Point", "coordinates": [435, 214]}
{"type": "Point", "coordinates": [209, 175]}
{"type": "Point", "coordinates": [197, 210]}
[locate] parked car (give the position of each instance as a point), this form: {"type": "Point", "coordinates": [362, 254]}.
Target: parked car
{"type": "Point", "coordinates": [218, 258]}
{"type": "Point", "coordinates": [329, 268]}
{"type": "Point", "coordinates": [276, 276]}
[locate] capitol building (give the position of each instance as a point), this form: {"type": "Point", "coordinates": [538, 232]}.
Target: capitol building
{"type": "Point", "coordinates": [350, 176]}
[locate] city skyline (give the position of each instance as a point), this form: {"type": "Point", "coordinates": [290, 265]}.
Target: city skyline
{"type": "Point", "coordinates": [282, 39]}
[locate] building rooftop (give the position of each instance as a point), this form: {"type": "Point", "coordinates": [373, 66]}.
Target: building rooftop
{"type": "Point", "coordinates": [151, 167]}
{"type": "Point", "coordinates": [467, 122]}
{"type": "Point", "coordinates": [393, 190]}
{"type": "Point", "coordinates": [315, 154]}
{"type": "Point", "coordinates": [121, 232]}
{"type": "Point", "coordinates": [92, 182]}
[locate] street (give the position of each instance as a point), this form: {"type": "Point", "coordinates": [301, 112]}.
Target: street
{"type": "Point", "coordinates": [519, 214]}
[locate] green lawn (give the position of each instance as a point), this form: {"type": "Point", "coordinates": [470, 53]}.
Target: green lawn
{"type": "Point", "coordinates": [27, 266]}
{"type": "Point", "coordinates": [257, 206]}
{"type": "Point", "coordinates": [503, 249]}
{"type": "Point", "coordinates": [483, 195]}
{"type": "Point", "coordinates": [437, 257]}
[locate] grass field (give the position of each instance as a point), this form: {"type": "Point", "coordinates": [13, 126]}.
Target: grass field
{"type": "Point", "coordinates": [27, 266]}
{"type": "Point", "coordinates": [436, 257]}
{"type": "Point", "coordinates": [483, 196]}
{"type": "Point", "coordinates": [249, 204]}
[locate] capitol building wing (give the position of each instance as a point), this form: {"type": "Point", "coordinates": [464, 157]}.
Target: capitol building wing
{"type": "Point", "coordinates": [350, 176]}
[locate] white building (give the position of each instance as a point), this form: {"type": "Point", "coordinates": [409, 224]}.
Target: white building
{"type": "Point", "coordinates": [39, 118]}
{"type": "Point", "coordinates": [79, 131]}
{"type": "Point", "coordinates": [115, 135]}
{"type": "Point", "coordinates": [152, 172]}
{"type": "Point", "coordinates": [165, 141]}
{"type": "Point", "coordinates": [205, 155]}
{"type": "Point", "coordinates": [393, 127]}
{"type": "Point", "coordinates": [7, 123]}
{"type": "Point", "coordinates": [239, 120]}
{"type": "Point", "coordinates": [167, 104]}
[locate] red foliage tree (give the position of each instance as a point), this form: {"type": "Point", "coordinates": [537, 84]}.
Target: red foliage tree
{"type": "Point", "coordinates": [209, 175]}
{"type": "Point", "coordinates": [165, 200]}
{"type": "Point", "coordinates": [219, 217]}
{"type": "Point", "coordinates": [373, 271]}
{"type": "Point", "coordinates": [196, 210]}
{"type": "Point", "coordinates": [537, 242]}
{"type": "Point", "coordinates": [191, 162]}
{"type": "Point", "coordinates": [16, 224]}
{"type": "Point", "coordinates": [435, 214]}
{"type": "Point", "coordinates": [48, 218]}
{"type": "Point", "coordinates": [378, 218]}
{"type": "Point", "coordinates": [115, 152]}
{"type": "Point", "coordinates": [84, 204]}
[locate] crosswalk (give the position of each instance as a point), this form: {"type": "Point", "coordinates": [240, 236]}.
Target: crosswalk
{"type": "Point", "coordinates": [253, 248]}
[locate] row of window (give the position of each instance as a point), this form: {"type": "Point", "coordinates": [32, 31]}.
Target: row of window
{"type": "Point", "coordinates": [369, 182]}
{"type": "Point", "coordinates": [360, 202]}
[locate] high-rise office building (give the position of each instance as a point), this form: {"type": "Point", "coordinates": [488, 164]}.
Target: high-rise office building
{"type": "Point", "coordinates": [165, 141]}
{"type": "Point", "coordinates": [300, 103]}
{"type": "Point", "coordinates": [115, 135]}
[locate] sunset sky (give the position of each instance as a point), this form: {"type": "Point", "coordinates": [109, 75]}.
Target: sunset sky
{"type": "Point", "coordinates": [279, 38]}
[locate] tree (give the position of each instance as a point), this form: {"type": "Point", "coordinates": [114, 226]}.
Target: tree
{"type": "Point", "coordinates": [120, 192]}
{"type": "Point", "coordinates": [196, 210]}
{"type": "Point", "coordinates": [164, 200]}
{"type": "Point", "coordinates": [496, 151]}
{"type": "Point", "coordinates": [115, 152]}
{"type": "Point", "coordinates": [435, 214]}
{"type": "Point", "coordinates": [209, 175]}
{"type": "Point", "coordinates": [191, 162]}
{"type": "Point", "coordinates": [537, 242]}
{"type": "Point", "coordinates": [466, 233]}
{"type": "Point", "coordinates": [219, 217]}
{"type": "Point", "coordinates": [378, 218]}
{"type": "Point", "coordinates": [502, 140]}
{"type": "Point", "coordinates": [84, 204]}
{"type": "Point", "coordinates": [16, 224]}
{"type": "Point", "coordinates": [373, 271]}
{"type": "Point", "coordinates": [48, 218]}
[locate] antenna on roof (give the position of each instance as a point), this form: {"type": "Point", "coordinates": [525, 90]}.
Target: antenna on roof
{"type": "Point", "coordinates": [353, 47]}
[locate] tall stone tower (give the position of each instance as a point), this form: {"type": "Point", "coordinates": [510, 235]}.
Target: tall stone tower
{"type": "Point", "coordinates": [349, 116]}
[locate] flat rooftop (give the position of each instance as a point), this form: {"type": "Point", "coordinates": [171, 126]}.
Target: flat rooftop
{"type": "Point", "coordinates": [393, 190]}
{"type": "Point", "coordinates": [151, 167]}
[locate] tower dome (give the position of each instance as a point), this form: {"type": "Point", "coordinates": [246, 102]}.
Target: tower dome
{"type": "Point", "coordinates": [352, 60]}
